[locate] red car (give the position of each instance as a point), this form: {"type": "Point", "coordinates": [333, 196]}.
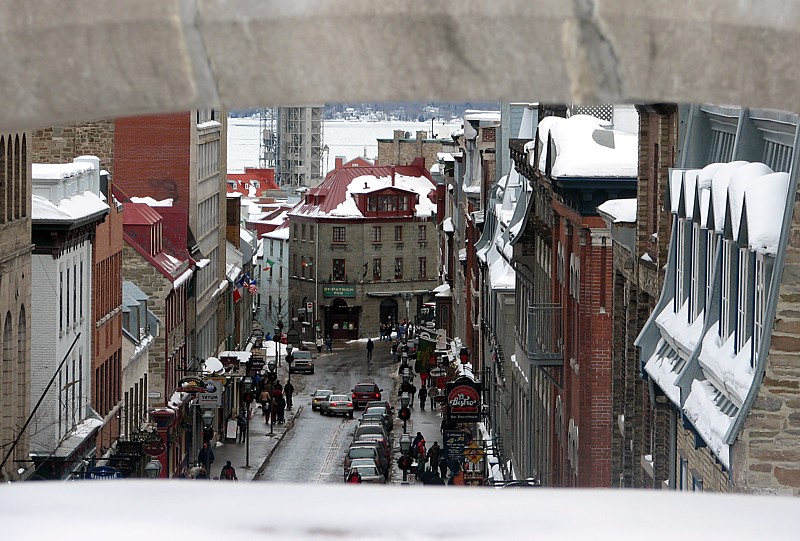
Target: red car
{"type": "Point", "coordinates": [365, 392]}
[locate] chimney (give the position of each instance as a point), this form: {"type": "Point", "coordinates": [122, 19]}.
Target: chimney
{"type": "Point", "coordinates": [338, 161]}
{"type": "Point", "coordinates": [394, 170]}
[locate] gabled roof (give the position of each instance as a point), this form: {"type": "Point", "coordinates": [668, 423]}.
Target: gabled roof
{"type": "Point", "coordinates": [333, 197]}
{"type": "Point", "coordinates": [253, 182]}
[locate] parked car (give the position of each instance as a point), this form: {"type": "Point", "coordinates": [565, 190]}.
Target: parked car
{"type": "Point", "coordinates": [381, 403]}
{"type": "Point", "coordinates": [303, 361]}
{"type": "Point", "coordinates": [363, 430]}
{"type": "Point", "coordinates": [318, 396]}
{"type": "Point", "coordinates": [369, 474]}
{"type": "Point", "coordinates": [376, 439]}
{"type": "Point", "coordinates": [336, 404]}
{"type": "Point", "coordinates": [377, 416]}
{"type": "Point", "coordinates": [367, 449]}
{"type": "Point", "coordinates": [356, 455]}
{"type": "Point", "coordinates": [364, 392]}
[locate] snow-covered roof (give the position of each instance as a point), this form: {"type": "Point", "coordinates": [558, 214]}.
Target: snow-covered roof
{"type": "Point", "coordinates": [153, 202]}
{"type": "Point", "coordinates": [43, 171]}
{"type": "Point", "coordinates": [619, 210]}
{"type": "Point", "coordinates": [282, 233]}
{"type": "Point", "coordinates": [447, 225]}
{"type": "Point", "coordinates": [78, 207]}
{"type": "Point", "coordinates": [586, 148]}
{"type": "Point", "coordinates": [233, 262]}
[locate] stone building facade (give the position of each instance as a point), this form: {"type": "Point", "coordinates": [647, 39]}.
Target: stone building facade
{"type": "Point", "coordinates": [60, 144]}
{"type": "Point", "coordinates": [15, 302]}
{"type": "Point", "coordinates": [373, 261]}
{"type": "Point", "coordinates": [402, 150]}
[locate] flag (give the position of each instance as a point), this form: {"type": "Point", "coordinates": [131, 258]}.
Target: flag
{"type": "Point", "coordinates": [236, 295]}
{"type": "Point", "coordinates": [252, 288]}
{"type": "Point", "coordinates": [269, 264]}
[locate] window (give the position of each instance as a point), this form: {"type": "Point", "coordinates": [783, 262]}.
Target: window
{"type": "Point", "coordinates": [372, 204]}
{"type": "Point", "coordinates": [402, 204]}
{"type": "Point", "coordinates": [398, 233]}
{"type": "Point", "coordinates": [422, 233]}
{"type": "Point", "coordinates": [311, 236]}
{"type": "Point", "coordinates": [423, 268]}
{"type": "Point", "coordinates": [398, 268]}
{"type": "Point", "coordinates": [742, 289]}
{"type": "Point", "coordinates": [725, 293]}
{"type": "Point", "coordinates": [303, 231]}
{"type": "Point", "coordinates": [694, 287]}
{"type": "Point", "coordinates": [339, 234]}
{"type": "Point", "coordinates": [680, 250]}
{"type": "Point", "coordinates": [376, 270]}
{"type": "Point", "coordinates": [294, 231]}
{"type": "Point", "coordinates": [376, 233]}
{"type": "Point", "coordinates": [711, 253]}
{"type": "Point", "coordinates": [760, 308]}
{"type": "Point", "coordinates": [338, 270]}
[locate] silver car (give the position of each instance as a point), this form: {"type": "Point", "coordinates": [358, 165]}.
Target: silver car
{"type": "Point", "coordinates": [336, 404]}
{"type": "Point", "coordinates": [368, 470]}
{"type": "Point", "coordinates": [370, 429]}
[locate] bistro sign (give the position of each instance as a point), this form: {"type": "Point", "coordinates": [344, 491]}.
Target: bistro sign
{"type": "Point", "coordinates": [339, 291]}
{"type": "Point", "coordinates": [464, 403]}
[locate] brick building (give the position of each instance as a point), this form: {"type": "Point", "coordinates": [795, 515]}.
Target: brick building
{"type": "Point", "coordinates": [402, 149]}
{"type": "Point", "coordinates": [564, 299]}
{"type": "Point", "coordinates": [360, 243]}
{"type": "Point", "coordinates": [164, 277]}
{"type": "Point", "coordinates": [181, 156]}
{"type": "Point", "coordinates": [640, 229]}
{"type": "Point", "coordinates": [15, 302]}
{"type": "Point", "coordinates": [66, 210]}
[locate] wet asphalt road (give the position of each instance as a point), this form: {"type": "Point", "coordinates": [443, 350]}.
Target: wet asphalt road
{"type": "Point", "coordinates": [313, 451]}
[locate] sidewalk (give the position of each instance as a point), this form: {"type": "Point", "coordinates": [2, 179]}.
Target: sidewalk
{"type": "Point", "coordinates": [428, 422]}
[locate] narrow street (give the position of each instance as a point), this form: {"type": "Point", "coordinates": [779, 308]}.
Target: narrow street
{"type": "Point", "coordinates": [313, 451]}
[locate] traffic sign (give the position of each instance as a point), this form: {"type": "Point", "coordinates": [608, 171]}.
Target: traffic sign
{"type": "Point", "coordinates": [474, 452]}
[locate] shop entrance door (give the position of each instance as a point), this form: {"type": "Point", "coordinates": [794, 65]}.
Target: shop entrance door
{"type": "Point", "coordinates": [343, 321]}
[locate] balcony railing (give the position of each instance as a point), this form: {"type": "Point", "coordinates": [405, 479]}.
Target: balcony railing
{"type": "Point", "coordinates": [545, 337]}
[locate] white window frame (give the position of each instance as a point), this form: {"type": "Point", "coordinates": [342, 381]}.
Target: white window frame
{"type": "Point", "coordinates": [725, 290]}
{"type": "Point", "coordinates": [760, 304]}
{"type": "Point", "coordinates": [695, 295]}
{"type": "Point", "coordinates": [711, 253]}
{"type": "Point", "coordinates": [680, 247]}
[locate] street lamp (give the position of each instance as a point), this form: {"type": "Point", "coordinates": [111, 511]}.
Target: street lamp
{"type": "Point", "coordinates": [247, 386]}
{"type": "Point", "coordinates": [208, 419]}
{"type": "Point", "coordinates": [405, 450]}
{"type": "Point", "coordinates": [272, 376]}
{"type": "Point", "coordinates": [277, 339]}
{"type": "Point", "coordinates": [152, 469]}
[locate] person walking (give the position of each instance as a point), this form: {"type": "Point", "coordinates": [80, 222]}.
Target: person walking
{"type": "Point", "coordinates": [206, 457]}
{"type": "Point", "coordinates": [433, 392]}
{"type": "Point", "coordinates": [370, 347]}
{"type": "Point", "coordinates": [266, 400]}
{"type": "Point", "coordinates": [241, 423]}
{"type": "Point", "coordinates": [329, 343]}
{"type": "Point", "coordinates": [394, 350]}
{"type": "Point", "coordinates": [423, 397]}
{"type": "Point", "coordinates": [288, 391]}
{"type": "Point", "coordinates": [228, 473]}
{"type": "Point", "coordinates": [434, 454]}
{"type": "Point", "coordinates": [354, 476]}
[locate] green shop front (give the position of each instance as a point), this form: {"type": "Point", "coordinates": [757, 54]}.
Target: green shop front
{"type": "Point", "coordinates": [341, 313]}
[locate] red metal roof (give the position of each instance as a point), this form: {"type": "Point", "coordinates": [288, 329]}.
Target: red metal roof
{"type": "Point", "coordinates": [242, 182]}
{"type": "Point", "coordinates": [332, 192]}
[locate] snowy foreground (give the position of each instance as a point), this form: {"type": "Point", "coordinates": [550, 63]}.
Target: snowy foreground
{"type": "Point", "coordinates": [136, 510]}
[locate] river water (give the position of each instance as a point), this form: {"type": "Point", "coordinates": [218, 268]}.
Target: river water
{"type": "Point", "coordinates": [344, 138]}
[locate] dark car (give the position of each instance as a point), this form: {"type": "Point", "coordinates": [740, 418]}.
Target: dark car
{"type": "Point", "coordinates": [366, 451]}
{"type": "Point", "coordinates": [365, 392]}
{"type": "Point", "coordinates": [302, 361]}
{"type": "Point", "coordinates": [381, 403]}
{"type": "Point", "coordinates": [381, 441]}
{"type": "Point", "coordinates": [362, 430]}
{"type": "Point", "coordinates": [377, 415]}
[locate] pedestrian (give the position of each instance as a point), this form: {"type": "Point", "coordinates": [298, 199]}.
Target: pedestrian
{"type": "Point", "coordinates": [266, 399]}
{"type": "Point", "coordinates": [394, 351]}
{"type": "Point", "coordinates": [418, 438]}
{"type": "Point", "coordinates": [354, 476]}
{"type": "Point", "coordinates": [412, 390]}
{"type": "Point", "coordinates": [206, 457]}
{"type": "Point", "coordinates": [442, 467]}
{"type": "Point", "coordinates": [288, 391]}
{"type": "Point", "coordinates": [319, 344]}
{"type": "Point", "coordinates": [423, 397]}
{"type": "Point", "coordinates": [434, 454]}
{"type": "Point", "coordinates": [370, 347]}
{"type": "Point", "coordinates": [329, 343]}
{"type": "Point", "coordinates": [433, 392]}
{"type": "Point", "coordinates": [208, 434]}
{"type": "Point", "coordinates": [228, 473]}
{"type": "Point", "coordinates": [241, 423]}
{"type": "Point", "coordinates": [275, 412]}
{"type": "Point", "coordinates": [281, 402]}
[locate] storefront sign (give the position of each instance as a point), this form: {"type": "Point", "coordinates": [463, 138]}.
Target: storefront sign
{"type": "Point", "coordinates": [454, 442]}
{"type": "Point", "coordinates": [154, 447]}
{"type": "Point", "coordinates": [191, 385]}
{"type": "Point", "coordinates": [212, 397]}
{"type": "Point", "coordinates": [464, 403]}
{"type": "Point", "coordinates": [104, 472]}
{"type": "Point", "coordinates": [339, 291]}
